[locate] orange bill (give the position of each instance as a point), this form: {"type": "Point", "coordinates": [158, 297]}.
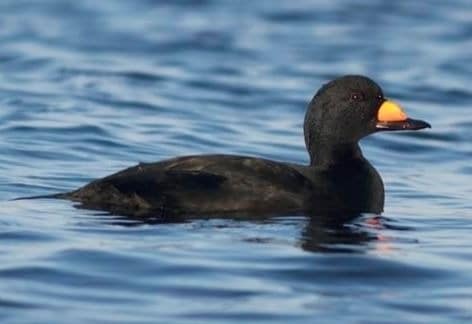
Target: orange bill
{"type": "Point", "coordinates": [391, 116]}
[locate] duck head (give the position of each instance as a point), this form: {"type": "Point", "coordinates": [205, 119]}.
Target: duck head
{"type": "Point", "coordinates": [344, 111]}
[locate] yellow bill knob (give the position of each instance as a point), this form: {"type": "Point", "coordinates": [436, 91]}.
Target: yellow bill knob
{"type": "Point", "coordinates": [391, 112]}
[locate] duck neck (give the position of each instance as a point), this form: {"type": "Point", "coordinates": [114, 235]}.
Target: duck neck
{"type": "Point", "coordinates": [323, 155]}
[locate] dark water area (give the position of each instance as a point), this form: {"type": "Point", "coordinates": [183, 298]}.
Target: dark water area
{"type": "Point", "coordinates": [90, 87]}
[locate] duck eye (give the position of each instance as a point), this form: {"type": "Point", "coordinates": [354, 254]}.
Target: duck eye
{"type": "Point", "coordinates": [380, 97]}
{"type": "Point", "coordinates": [357, 96]}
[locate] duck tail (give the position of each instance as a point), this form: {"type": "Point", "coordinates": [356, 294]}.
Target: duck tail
{"type": "Point", "coordinates": [60, 195]}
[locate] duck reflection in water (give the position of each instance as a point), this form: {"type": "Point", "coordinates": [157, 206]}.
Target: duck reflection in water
{"type": "Point", "coordinates": [319, 232]}
{"type": "Point", "coordinates": [345, 233]}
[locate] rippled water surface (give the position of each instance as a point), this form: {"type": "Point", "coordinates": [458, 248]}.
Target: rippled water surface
{"type": "Point", "coordinates": [90, 87]}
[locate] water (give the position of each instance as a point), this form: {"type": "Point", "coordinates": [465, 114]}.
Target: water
{"type": "Point", "coordinates": [90, 87]}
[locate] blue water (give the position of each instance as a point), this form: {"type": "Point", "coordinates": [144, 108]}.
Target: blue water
{"type": "Point", "coordinates": [90, 87]}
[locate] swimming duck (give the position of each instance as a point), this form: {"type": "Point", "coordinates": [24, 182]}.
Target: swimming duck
{"type": "Point", "coordinates": [338, 177]}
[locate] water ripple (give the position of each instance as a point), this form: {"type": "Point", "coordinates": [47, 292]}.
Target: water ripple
{"type": "Point", "coordinates": [88, 88]}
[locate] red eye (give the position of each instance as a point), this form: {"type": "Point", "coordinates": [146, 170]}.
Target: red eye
{"type": "Point", "coordinates": [357, 96]}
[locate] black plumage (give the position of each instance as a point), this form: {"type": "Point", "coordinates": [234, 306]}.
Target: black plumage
{"type": "Point", "coordinates": [338, 177]}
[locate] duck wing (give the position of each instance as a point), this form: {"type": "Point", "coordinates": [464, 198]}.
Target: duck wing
{"type": "Point", "coordinates": [199, 184]}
